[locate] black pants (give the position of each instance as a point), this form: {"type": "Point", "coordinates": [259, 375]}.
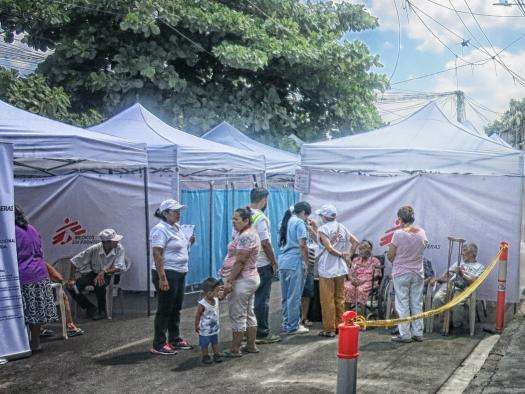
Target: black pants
{"type": "Point", "coordinates": [167, 317]}
{"type": "Point", "coordinates": [100, 291]}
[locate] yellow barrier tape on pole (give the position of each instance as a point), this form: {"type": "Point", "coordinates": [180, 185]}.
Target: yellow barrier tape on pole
{"type": "Point", "coordinates": [362, 322]}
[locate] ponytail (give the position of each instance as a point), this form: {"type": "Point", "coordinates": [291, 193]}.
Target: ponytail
{"type": "Point", "coordinates": [284, 227]}
{"type": "Point", "coordinates": [301, 206]}
{"type": "Point", "coordinates": [158, 214]}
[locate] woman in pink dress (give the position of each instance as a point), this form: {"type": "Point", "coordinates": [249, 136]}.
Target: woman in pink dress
{"type": "Point", "coordinates": [363, 268]}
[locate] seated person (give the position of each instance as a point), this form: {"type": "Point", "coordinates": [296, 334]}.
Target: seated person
{"type": "Point", "coordinates": [428, 273]}
{"type": "Point", "coordinates": [363, 269]}
{"type": "Point", "coordinates": [96, 264]}
{"type": "Point", "coordinates": [467, 272]}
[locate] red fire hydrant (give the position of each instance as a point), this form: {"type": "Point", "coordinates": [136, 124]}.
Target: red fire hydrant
{"type": "Point", "coordinates": [348, 352]}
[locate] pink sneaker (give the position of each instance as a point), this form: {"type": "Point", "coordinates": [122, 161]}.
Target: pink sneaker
{"type": "Point", "coordinates": [166, 350]}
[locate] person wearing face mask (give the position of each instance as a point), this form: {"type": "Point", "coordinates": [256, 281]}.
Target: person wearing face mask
{"type": "Point", "coordinates": [170, 253]}
{"type": "Point", "coordinates": [363, 270]}
{"type": "Point", "coordinates": [338, 244]}
{"type": "Point", "coordinates": [293, 265]}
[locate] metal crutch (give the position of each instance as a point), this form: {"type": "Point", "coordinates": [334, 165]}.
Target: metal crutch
{"type": "Point", "coordinates": [451, 242]}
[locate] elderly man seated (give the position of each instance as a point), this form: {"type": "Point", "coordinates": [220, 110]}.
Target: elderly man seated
{"type": "Point", "coordinates": [96, 264]}
{"type": "Point", "coordinates": [467, 272]}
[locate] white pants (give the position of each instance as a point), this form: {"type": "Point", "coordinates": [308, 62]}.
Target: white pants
{"type": "Point", "coordinates": [409, 301]}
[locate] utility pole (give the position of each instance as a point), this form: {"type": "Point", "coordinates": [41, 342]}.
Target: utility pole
{"type": "Point", "coordinates": [460, 106]}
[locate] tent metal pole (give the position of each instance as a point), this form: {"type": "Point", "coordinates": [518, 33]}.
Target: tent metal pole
{"type": "Point", "coordinates": [211, 228]}
{"type": "Point", "coordinates": [148, 252]}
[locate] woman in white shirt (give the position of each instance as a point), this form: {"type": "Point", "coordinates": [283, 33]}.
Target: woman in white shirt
{"type": "Point", "coordinates": [170, 253]}
{"type": "Point", "coordinates": [338, 244]}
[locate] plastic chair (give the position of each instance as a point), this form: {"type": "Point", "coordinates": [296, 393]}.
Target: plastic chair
{"type": "Point", "coordinates": [110, 291]}
{"type": "Point", "coordinates": [471, 304]}
{"type": "Point", "coordinates": [58, 296]}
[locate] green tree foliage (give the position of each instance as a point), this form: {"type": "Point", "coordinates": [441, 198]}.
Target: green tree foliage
{"type": "Point", "coordinates": [35, 95]}
{"type": "Point", "coordinates": [511, 125]}
{"type": "Point", "coordinates": [270, 67]}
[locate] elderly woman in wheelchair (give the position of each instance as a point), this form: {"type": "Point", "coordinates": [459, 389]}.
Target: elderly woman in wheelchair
{"type": "Point", "coordinates": [364, 269]}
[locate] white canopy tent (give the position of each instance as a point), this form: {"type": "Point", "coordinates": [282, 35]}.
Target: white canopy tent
{"type": "Point", "coordinates": [459, 183]}
{"type": "Point", "coordinates": [46, 146]}
{"type": "Point", "coordinates": [277, 161]}
{"type": "Point", "coordinates": [169, 147]}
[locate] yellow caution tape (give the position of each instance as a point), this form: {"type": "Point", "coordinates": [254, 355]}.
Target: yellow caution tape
{"type": "Point", "coordinates": [362, 322]}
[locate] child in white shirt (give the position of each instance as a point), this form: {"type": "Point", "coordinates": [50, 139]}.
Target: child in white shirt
{"type": "Point", "coordinates": [207, 320]}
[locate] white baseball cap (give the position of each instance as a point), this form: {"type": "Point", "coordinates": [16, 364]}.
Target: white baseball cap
{"type": "Point", "coordinates": [328, 211]}
{"type": "Point", "coordinates": [171, 205]}
{"type": "Point", "coordinates": [110, 235]}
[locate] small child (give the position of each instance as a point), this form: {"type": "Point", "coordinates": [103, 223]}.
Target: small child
{"type": "Point", "coordinates": [207, 320]}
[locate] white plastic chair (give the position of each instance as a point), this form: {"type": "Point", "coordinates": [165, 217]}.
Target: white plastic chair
{"type": "Point", "coordinates": [110, 291]}
{"type": "Point", "coordinates": [58, 296]}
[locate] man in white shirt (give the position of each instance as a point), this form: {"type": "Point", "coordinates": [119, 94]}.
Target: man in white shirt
{"type": "Point", "coordinates": [96, 264]}
{"type": "Point", "coordinates": [469, 270]}
{"type": "Point", "coordinates": [266, 265]}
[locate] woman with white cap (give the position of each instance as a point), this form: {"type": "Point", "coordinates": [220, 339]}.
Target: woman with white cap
{"type": "Point", "coordinates": [337, 245]}
{"type": "Point", "coordinates": [170, 253]}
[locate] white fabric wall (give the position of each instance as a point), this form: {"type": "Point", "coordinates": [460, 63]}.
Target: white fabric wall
{"type": "Point", "coordinates": [482, 209]}
{"type": "Point", "coordinates": [95, 202]}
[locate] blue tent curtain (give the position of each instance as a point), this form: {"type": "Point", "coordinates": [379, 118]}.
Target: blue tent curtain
{"type": "Point", "coordinates": [206, 257]}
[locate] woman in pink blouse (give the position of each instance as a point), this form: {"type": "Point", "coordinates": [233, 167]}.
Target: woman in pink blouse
{"type": "Point", "coordinates": [363, 269]}
{"type": "Point", "coordinates": [241, 277]}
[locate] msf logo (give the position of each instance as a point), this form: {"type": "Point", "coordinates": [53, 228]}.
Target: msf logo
{"type": "Point", "coordinates": [68, 232]}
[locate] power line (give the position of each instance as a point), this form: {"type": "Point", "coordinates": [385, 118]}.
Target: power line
{"type": "Point", "coordinates": [478, 14]}
{"type": "Point", "coordinates": [496, 56]}
{"type": "Point", "coordinates": [398, 41]}
{"type": "Point", "coordinates": [479, 63]}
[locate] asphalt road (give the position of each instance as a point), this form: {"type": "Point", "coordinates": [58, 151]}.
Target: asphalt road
{"type": "Point", "coordinates": [113, 357]}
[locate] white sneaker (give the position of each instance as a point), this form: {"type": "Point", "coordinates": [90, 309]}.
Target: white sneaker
{"type": "Point", "coordinates": [300, 330]}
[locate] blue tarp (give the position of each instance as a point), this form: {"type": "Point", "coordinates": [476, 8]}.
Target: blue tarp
{"type": "Point", "coordinates": [205, 261]}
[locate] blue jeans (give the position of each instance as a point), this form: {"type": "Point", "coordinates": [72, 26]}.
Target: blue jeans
{"type": "Point", "coordinates": [292, 283]}
{"type": "Point", "coordinates": [262, 300]}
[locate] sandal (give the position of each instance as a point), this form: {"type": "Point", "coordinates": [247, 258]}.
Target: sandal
{"type": "Point", "coordinates": [75, 333]}
{"type": "Point", "coordinates": [246, 349]}
{"type": "Point", "coordinates": [307, 323]}
{"type": "Point", "coordinates": [230, 354]}
{"type": "Point", "coordinates": [327, 334]}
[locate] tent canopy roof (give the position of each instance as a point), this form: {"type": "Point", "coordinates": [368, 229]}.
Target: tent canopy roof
{"type": "Point", "coordinates": [170, 147]}
{"type": "Point", "coordinates": [425, 141]}
{"type": "Point", "coordinates": [277, 160]}
{"type": "Point", "coordinates": [42, 144]}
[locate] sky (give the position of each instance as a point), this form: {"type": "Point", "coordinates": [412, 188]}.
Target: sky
{"type": "Point", "coordinates": [423, 50]}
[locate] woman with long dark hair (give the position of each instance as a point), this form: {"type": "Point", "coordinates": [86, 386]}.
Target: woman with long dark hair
{"type": "Point", "coordinates": [293, 265]}
{"type": "Point", "coordinates": [241, 280]}
{"type": "Point", "coordinates": [37, 294]}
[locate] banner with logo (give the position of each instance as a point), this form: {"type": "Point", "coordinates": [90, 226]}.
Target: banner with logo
{"type": "Point", "coordinates": [482, 209]}
{"type": "Point", "coordinates": [13, 335]}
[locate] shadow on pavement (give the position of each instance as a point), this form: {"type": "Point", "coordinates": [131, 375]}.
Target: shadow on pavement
{"type": "Point", "coordinates": [126, 359]}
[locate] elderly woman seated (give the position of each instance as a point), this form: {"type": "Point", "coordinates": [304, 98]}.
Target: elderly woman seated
{"type": "Point", "coordinates": [363, 269]}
